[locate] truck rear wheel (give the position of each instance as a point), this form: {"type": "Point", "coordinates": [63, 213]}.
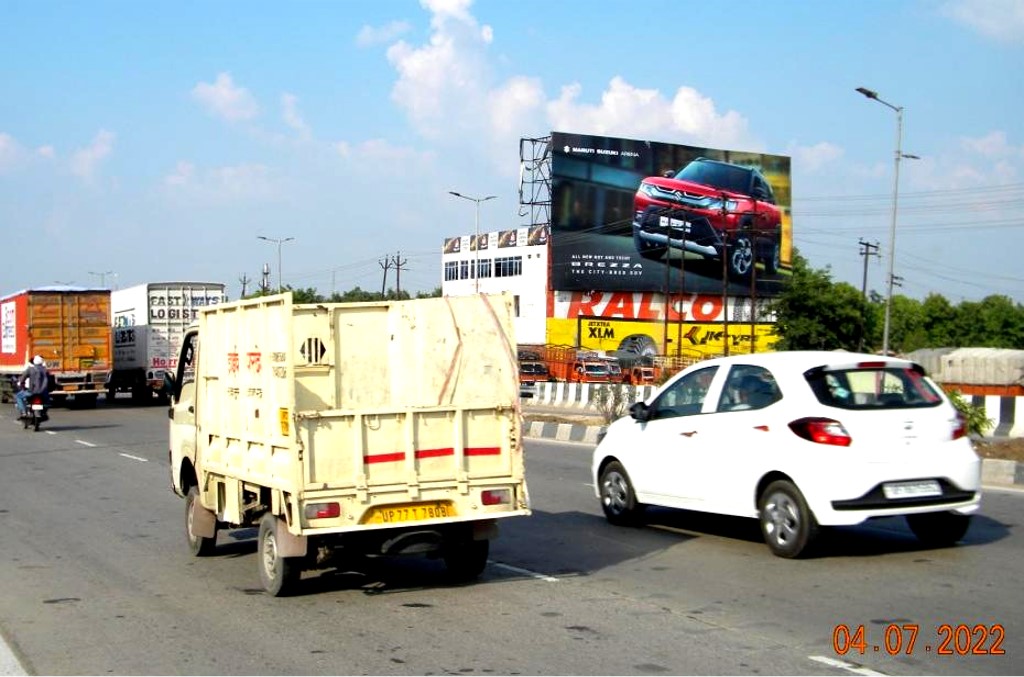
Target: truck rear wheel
{"type": "Point", "coordinates": [199, 546]}
{"type": "Point", "coordinates": [279, 575]}
{"type": "Point", "coordinates": [466, 559]}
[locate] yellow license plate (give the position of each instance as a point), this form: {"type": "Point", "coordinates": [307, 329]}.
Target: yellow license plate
{"type": "Point", "coordinates": [408, 512]}
{"type": "Point", "coordinates": [70, 387]}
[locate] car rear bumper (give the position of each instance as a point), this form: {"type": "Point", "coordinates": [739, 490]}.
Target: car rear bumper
{"type": "Point", "coordinates": [861, 496]}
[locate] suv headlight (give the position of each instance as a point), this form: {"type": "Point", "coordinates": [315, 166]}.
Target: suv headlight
{"type": "Point", "coordinates": [730, 205]}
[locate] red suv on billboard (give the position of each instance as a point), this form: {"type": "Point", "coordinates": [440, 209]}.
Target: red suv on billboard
{"type": "Point", "coordinates": [717, 209]}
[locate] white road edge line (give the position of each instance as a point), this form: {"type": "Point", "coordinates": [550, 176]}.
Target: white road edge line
{"type": "Point", "coordinates": [85, 444]}
{"type": "Point", "coordinates": [135, 458]}
{"type": "Point", "coordinates": [9, 663]}
{"type": "Point", "coordinates": [49, 432]}
{"type": "Point", "coordinates": [526, 572]}
{"type": "Point", "coordinates": [843, 665]}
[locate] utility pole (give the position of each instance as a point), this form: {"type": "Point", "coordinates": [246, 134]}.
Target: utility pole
{"type": "Point", "coordinates": [245, 283]}
{"type": "Point", "coordinates": [398, 262]}
{"type": "Point", "coordinates": [867, 250]}
{"type": "Point", "coordinates": [385, 264]}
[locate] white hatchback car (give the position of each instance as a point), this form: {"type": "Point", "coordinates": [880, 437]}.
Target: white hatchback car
{"type": "Point", "coordinates": [798, 440]}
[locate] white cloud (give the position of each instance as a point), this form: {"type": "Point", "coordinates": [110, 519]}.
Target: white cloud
{"type": "Point", "coordinates": [226, 100]}
{"type": "Point", "coordinates": [813, 158]}
{"type": "Point", "coordinates": [292, 117]}
{"type": "Point", "coordinates": [85, 161]}
{"type": "Point", "coordinates": [447, 90]}
{"type": "Point", "coordinates": [514, 102]}
{"type": "Point", "coordinates": [370, 35]}
{"type": "Point", "coordinates": [625, 110]}
{"type": "Point", "coordinates": [1002, 20]}
{"type": "Point", "coordinates": [182, 174]}
{"type": "Point", "coordinates": [48, 152]}
{"type": "Point", "coordinates": [235, 183]}
{"type": "Point", "coordinates": [446, 80]}
{"type": "Point", "coordinates": [992, 145]}
{"type": "Point", "coordinates": [381, 153]}
{"type": "Point", "coordinates": [10, 151]}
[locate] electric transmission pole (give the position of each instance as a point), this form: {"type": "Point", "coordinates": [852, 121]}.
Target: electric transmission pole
{"type": "Point", "coordinates": [398, 262]}
{"type": "Point", "coordinates": [867, 251]}
{"type": "Point", "coordinates": [245, 283]}
{"type": "Point", "coordinates": [385, 264]}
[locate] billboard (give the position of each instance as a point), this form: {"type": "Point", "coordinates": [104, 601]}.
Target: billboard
{"type": "Point", "coordinates": [629, 215]}
{"type": "Point", "coordinates": [692, 325]}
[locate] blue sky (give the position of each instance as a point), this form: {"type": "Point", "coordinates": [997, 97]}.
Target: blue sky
{"type": "Point", "coordinates": [155, 141]}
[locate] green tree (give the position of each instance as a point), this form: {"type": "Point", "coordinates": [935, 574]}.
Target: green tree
{"type": "Point", "coordinates": [813, 312]}
{"type": "Point", "coordinates": [940, 321]}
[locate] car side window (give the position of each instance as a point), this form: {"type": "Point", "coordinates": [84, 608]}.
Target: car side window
{"type": "Point", "coordinates": [748, 387]}
{"type": "Point", "coordinates": [685, 397]}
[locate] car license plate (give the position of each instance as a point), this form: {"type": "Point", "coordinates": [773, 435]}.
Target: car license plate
{"type": "Point", "coordinates": [911, 489]}
{"type": "Point", "coordinates": [37, 407]}
{"type": "Point", "coordinates": [408, 512]}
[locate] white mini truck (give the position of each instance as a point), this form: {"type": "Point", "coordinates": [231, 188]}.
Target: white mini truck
{"type": "Point", "coordinates": [382, 428]}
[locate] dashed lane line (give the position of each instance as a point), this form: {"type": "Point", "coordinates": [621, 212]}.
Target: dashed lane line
{"type": "Point", "coordinates": [852, 668]}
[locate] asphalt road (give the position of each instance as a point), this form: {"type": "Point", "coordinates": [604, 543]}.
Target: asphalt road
{"type": "Point", "coordinates": [95, 578]}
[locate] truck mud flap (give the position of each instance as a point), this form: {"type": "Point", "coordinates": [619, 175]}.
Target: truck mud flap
{"type": "Point", "coordinates": [204, 522]}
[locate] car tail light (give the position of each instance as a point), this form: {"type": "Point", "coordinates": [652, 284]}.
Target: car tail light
{"type": "Point", "coordinates": [496, 496]}
{"type": "Point", "coordinates": [318, 511]}
{"type": "Point", "coordinates": [821, 431]}
{"type": "Point", "coordinates": [959, 426]}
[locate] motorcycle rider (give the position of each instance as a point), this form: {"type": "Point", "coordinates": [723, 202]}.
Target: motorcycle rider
{"type": "Point", "coordinates": [33, 381]}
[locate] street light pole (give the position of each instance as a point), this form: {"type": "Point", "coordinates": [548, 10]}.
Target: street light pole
{"type": "Point", "coordinates": [899, 155]}
{"type": "Point", "coordinates": [103, 277]}
{"type": "Point", "coordinates": [280, 283]}
{"type": "Point", "coordinates": [476, 249]}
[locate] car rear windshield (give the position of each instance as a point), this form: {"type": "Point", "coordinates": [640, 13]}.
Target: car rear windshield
{"type": "Point", "coordinates": [881, 387]}
{"type": "Point", "coordinates": [725, 177]}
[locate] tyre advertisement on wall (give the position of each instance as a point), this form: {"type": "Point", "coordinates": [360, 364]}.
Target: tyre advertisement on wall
{"type": "Point", "coordinates": [635, 326]}
{"type": "Point", "coordinates": [630, 215]}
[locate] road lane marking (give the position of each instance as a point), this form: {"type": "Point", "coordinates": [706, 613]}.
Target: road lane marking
{"type": "Point", "coordinates": [843, 665]}
{"type": "Point", "coordinates": [49, 432]}
{"type": "Point", "coordinates": [526, 572]}
{"type": "Point", "coordinates": [85, 444]}
{"type": "Point", "coordinates": [9, 663]}
{"type": "Point", "coordinates": [135, 458]}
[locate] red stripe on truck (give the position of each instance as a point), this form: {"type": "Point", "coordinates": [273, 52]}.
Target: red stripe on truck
{"type": "Point", "coordinates": [431, 453]}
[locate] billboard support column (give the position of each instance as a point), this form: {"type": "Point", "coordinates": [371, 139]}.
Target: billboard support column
{"type": "Point", "coordinates": [725, 289]}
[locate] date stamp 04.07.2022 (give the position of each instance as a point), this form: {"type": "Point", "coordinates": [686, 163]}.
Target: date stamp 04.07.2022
{"type": "Point", "coordinates": [946, 639]}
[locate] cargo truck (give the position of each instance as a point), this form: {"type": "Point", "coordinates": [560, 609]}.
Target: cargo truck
{"type": "Point", "coordinates": [380, 428]}
{"type": "Point", "coordinates": [149, 321]}
{"type": "Point", "coordinates": [69, 327]}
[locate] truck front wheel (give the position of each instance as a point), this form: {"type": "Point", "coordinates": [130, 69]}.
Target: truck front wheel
{"type": "Point", "coordinates": [279, 575]}
{"type": "Point", "coordinates": [466, 559]}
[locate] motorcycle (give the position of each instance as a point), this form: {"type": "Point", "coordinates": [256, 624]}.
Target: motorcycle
{"type": "Point", "coordinates": [36, 412]}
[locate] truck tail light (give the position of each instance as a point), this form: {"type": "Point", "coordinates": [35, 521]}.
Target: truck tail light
{"type": "Point", "coordinates": [319, 511]}
{"type": "Point", "coordinates": [821, 431]}
{"type": "Point", "coordinates": [496, 496]}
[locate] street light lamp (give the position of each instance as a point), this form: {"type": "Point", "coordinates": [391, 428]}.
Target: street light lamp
{"type": "Point", "coordinates": [103, 277]}
{"type": "Point", "coordinates": [280, 284]}
{"type": "Point", "coordinates": [899, 155]}
{"type": "Point", "coordinates": [476, 263]}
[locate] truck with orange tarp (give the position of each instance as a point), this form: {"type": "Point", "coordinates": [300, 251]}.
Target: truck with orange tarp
{"type": "Point", "coordinates": [69, 327]}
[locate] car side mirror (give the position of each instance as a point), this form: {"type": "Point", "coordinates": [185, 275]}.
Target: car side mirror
{"type": "Point", "coordinates": [640, 412]}
{"type": "Point", "coordinates": [169, 384]}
